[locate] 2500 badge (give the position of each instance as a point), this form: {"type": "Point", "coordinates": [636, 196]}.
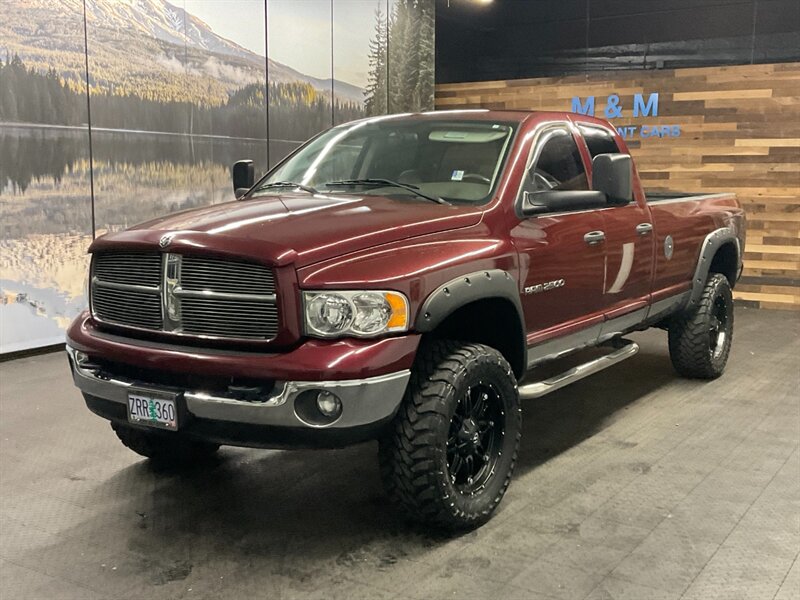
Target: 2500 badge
{"type": "Point", "coordinates": [544, 287]}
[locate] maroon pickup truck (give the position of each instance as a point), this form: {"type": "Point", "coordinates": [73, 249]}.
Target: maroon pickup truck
{"type": "Point", "coordinates": [402, 278]}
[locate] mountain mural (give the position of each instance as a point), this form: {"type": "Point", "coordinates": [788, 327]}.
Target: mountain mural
{"type": "Point", "coordinates": [173, 104]}
{"type": "Point", "coordinates": [149, 48]}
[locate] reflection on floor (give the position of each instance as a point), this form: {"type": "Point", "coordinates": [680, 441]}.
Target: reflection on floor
{"type": "Point", "coordinates": [630, 484]}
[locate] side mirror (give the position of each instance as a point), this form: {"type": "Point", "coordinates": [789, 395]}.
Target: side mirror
{"type": "Point", "coordinates": [244, 176]}
{"type": "Point", "coordinates": [612, 174]}
{"type": "Point", "coordinates": [536, 203]}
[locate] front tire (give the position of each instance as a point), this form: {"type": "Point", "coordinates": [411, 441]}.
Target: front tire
{"type": "Point", "coordinates": [165, 449]}
{"type": "Point", "coordinates": [700, 339]}
{"type": "Point", "coordinates": [449, 456]}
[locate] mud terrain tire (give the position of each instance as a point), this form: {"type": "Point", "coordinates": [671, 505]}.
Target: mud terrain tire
{"type": "Point", "coordinates": [448, 458]}
{"type": "Point", "coordinates": [700, 339]}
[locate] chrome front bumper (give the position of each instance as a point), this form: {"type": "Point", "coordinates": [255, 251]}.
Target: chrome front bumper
{"type": "Point", "coordinates": [364, 401]}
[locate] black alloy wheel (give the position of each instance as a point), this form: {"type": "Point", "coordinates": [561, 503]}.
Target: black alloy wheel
{"type": "Point", "coordinates": [718, 327]}
{"type": "Point", "coordinates": [475, 441]}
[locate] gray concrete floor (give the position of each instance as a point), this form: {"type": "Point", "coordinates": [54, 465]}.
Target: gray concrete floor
{"type": "Point", "coordinates": [631, 484]}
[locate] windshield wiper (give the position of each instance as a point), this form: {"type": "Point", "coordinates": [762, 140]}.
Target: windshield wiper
{"type": "Point", "coordinates": [281, 184]}
{"type": "Point", "coordinates": [388, 183]}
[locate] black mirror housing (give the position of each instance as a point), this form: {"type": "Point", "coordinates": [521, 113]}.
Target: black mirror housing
{"type": "Point", "coordinates": [537, 203]}
{"type": "Point", "coordinates": [244, 176]}
{"type": "Point", "coordinates": [612, 174]}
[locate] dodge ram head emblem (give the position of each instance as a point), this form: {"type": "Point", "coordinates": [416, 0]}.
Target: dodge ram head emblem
{"type": "Point", "coordinates": [166, 240]}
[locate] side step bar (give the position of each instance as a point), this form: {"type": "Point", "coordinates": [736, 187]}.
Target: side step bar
{"type": "Point", "coordinates": [540, 388]}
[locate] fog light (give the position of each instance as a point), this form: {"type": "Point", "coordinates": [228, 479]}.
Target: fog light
{"type": "Point", "coordinates": [329, 404]}
{"type": "Point", "coordinates": [81, 357]}
{"type": "Point", "coordinates": [318, 408]}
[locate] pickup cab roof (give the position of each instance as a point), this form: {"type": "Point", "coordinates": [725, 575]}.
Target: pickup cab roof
{"type": "Point", "coordinates": [485, 114]}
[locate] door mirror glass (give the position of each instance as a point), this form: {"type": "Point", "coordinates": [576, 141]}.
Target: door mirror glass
{"type": "Point", "coordinates": [536, 203]}
{"type": "Point", "coordinates": [244, 176]}
{"type": "Point", "coordinates": [612, 174]}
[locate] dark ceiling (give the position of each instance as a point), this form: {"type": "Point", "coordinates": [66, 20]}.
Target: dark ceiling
{"type": "Point", "coordinates": [508, 39]}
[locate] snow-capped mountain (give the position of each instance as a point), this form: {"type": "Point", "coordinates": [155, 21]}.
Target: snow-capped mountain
{"type": "Point", "coordinates": [164, 21]}
{"type": "Point", "coordinates": [151, 47]}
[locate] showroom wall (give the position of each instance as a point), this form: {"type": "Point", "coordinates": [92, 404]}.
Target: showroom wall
{"type": "Point", "coordinates": [707, 129]}
{"type": "Point", "coordinates": [177, 91]}
{"type": "Point", "coordinates": [732, 125]}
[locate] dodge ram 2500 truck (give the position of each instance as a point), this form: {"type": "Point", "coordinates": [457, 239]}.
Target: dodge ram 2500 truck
{"type": "Point", "coordinates": [396, 278]}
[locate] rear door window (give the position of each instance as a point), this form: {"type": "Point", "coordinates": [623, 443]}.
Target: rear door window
{"type": "Point", "coordinates": [599, 141]}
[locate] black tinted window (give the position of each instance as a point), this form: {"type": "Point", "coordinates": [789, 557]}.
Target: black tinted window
{"type": "Point", "coordinates": [599, 141]}
{"type": "Point", "coordinates": [559, 166]}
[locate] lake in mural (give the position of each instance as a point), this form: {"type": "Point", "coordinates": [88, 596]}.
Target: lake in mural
{"type": "Point", "coordinates": [178, 91]}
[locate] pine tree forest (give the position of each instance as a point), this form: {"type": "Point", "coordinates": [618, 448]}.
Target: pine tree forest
{"type": "Point", "coordinates": [400, 80]}
{"type": "Point", "coordinates": [297, 111]}
{"type": "Point", "coordinates": [401, 59]}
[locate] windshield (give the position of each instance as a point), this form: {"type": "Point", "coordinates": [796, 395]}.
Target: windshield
{"type": "Point", "coordinates": [458, 161]}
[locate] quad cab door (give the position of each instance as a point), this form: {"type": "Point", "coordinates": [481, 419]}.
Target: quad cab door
{"type": "Point", "coordinates": [629, 246]}
{"type": "Point", "coordinates": [561, 255]}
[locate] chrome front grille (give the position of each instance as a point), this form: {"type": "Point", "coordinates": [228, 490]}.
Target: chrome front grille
{"type": "Point", "coordinates": [126, 307]}
{"type": "Point", "coordinates": [185, 295]}
{"type": "Point", "coordinates": [242, 319]}
{"type": "Point", "coordinates": [129, 267]}
{"type": "Point", "coordinates": [218, 276]}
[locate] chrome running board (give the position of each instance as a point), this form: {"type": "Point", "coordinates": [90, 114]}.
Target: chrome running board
{"type": "Point", "coordinates": [538, 389]}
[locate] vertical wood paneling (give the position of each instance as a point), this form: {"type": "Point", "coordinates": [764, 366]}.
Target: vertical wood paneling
{"type": "Point", "coordinates": [740, 132]}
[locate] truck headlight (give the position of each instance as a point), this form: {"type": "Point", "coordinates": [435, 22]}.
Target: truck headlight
{"type": "Point", "coordinates": [354, 313]}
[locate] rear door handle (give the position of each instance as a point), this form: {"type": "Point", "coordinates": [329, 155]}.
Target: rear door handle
{"type": "Point", "coordinates": [594, 237]}
{"type": "Point", "coordinates": [644, 228]}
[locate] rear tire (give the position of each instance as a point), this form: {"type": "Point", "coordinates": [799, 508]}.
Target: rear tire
{"type": "Point", "coordinates": [448, 458]}
{"type": "Point", "coordinates": [164, 449]}
{"type": "Point", "coordinates": [700, 339]}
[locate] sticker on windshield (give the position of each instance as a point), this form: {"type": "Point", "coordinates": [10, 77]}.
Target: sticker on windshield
{"type": "Point", "coordinates": [457, 176]}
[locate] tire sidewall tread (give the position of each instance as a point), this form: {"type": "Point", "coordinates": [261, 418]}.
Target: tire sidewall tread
{"type": "Point", "coordinates": [413, 454]}
{"type": "Point", "coordinates": [688, 333]}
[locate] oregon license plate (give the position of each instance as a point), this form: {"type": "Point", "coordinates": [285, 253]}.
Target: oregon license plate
{"type": "Point", "coordinates": [153, 408]}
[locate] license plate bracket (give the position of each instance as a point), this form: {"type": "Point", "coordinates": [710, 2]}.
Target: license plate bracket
{"type": "Point", "coordinates": [153, 408]}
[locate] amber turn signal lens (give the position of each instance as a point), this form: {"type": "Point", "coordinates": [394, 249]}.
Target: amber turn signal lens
{"type": "Point", "coordinates": [399, 318]}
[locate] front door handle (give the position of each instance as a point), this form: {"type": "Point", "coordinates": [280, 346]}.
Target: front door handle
{"type": "Point", "coordinates": [594, 237]}
{"type": "Point", "coordinates": [644, 228]}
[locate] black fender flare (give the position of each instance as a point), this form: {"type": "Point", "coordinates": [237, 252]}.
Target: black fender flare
{"type": "Point", "coordinates": [713, 242]}
{"type": "Point", "coordinates": [488, 284]}
{"type": "Point", "coordinates": [463, 290]}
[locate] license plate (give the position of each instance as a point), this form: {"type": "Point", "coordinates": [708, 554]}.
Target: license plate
{"type": "Point", "coordinates": [153, 408]}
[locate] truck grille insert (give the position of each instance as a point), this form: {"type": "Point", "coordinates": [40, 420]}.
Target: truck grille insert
{"type": "Point", "coordinates": [185, 295]}
{"type": "Point", "coordinates": [225, 277]}
{"type": "Point", "coordinates": [130, 267]}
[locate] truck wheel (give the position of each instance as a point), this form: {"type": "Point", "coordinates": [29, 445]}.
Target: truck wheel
{"type": "Point", "coordinates": [700, 339]}
{"type": "Point", "coordinates": [163, 449]}
{"type": "Point", "coordinates": [448, 458]}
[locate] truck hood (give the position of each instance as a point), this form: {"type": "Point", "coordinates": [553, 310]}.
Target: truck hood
{"type": "Point", "coordinates": [295, 227]}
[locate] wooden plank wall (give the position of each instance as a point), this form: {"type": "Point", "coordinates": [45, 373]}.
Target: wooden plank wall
{"type": "Point", "coordinates": [740, 132]}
